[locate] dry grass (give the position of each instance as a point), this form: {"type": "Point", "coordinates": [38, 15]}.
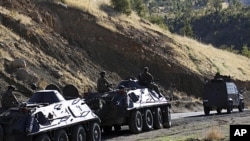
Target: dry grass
{"type": "Point", "coordinates": [91, 6]}
{"type": "Point", "coordinates": [198, 57]}
{"type": "Point", "coordinates": [208, 59]}
{"type": "Point", "coordinates": [17, 16]}
{"type": "Point", "coordinates": [214, 133]}
{"type": "Point", "coordinates": [94, 7]}
{"type": "Point", "coordinates": [10, 52]}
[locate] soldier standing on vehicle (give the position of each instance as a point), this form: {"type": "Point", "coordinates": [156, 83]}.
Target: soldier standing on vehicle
{"type": "Point", "coordinates": [146, 79]}
{"type": "Point", "coordinates": [9, 99]}
{"type": "Point", "coordinates": [103, 84]}
{"type": "Point", "coordinates": [217, 75]}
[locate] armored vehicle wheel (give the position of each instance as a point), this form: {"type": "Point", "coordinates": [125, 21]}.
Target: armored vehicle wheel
{"type": "Point", "coordinates": [158, 123]}
{"type": "Point", "coordinates": [78, 133]}
{"type": "Point", "coordinates": [166, 118]}
{"type": "Point", "coordinates": [206, 110]}
{"type": "Point", "coordinates": [94, 133]}
{"type": "Point", "coordinates": [219, 110]}
{"type": "Point", "coordinates": [147, 120]}
{"type": "Point", "coordinates": [241, 106]}
{"type": "Point", "coordinates": [42, 137]}
{"type": "Point", "coordinates": [135, 122]}
{"type": "Point", "coordinates": [61, 135]}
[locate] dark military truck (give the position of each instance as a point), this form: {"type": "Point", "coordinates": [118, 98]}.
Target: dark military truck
{"type": "Point", "coordinates": [130, 104]}
{"type": "Point", "coordinates": [222, 93]}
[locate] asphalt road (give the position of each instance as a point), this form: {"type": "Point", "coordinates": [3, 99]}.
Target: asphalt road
{"type": "Point", "coordinates": [183, 124]}
{"type": "Point", "coordinates": [200, 113]}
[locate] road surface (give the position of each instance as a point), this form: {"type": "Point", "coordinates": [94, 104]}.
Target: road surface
{"type": "Point", "coordinates": [186, 124]}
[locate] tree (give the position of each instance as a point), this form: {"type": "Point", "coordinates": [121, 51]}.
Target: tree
{"type": "Point", "coordinates": [186, 30]}
{"type": "Point", "coordinates": [139, 7]}
{"type": "Point", "coordinates": [123, 6]}
{"type": "Point", "coordinates": [234, 2]}
{"type": "Point", "coordinates": [245, 51]}
{"type": "Point", "coordinates": [151, 7]}
{"type": "Point", "coordinates": [217, 5]}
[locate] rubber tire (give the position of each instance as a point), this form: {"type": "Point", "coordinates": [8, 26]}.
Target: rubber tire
{"type": "Point", "coordinates": [241, 106]}
{"type": "Point", "coordinates": [148, 121]}
{"type": "Point", "coordinates": [42, 137]}
{"type": "Point", "coordinates": [206, 110]}
{"type": "Point", "coordinates": [230, 107]}
{"type": "Point", "coordinates": [219, 110]}
{"type": "Point", "coordinates": [94, 133]}
{"type": "Point", "coordinates": [135, 122]}
{"type": "Point", "coordinates": [78, 133]}
{"type": "Point", "coordinates": [61, 135]}
{"type": "Point", "coordinates": [158, 122]}
{"type": "Point", "coordinates": [1, 133]}
{"type": "Point", "coordinates": [166, 116]}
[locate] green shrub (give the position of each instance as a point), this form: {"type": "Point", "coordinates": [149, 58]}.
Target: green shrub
{"type": "Point", "coordinates": [123, 6]}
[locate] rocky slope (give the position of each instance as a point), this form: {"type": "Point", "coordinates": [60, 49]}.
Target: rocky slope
{"type": "Point", "coordinates": [70, 42]}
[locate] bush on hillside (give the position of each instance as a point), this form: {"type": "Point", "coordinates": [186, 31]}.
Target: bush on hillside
{"type": "Point", "coordinates": [123, 6]}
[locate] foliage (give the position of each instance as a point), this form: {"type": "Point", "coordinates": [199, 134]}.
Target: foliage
{"type": "Point", "coordinates": [245, 51]}
{"type": "Point", "coordinates": [158, 20]}
{"type": "Point", "coordinates": [206, 20]}
{"type": "Point", "coordinates": [139, 7]}
{"type": "Point", "coordinates": [209, 22]}
{"type": "Point", "coordinates": [224, 28]}
{"type": "Point", "coordinates": [123, 6]}
{"type": "Point", "coordinates": [187, 29]}
{"type": "Point", "coordinates": [217, 5]}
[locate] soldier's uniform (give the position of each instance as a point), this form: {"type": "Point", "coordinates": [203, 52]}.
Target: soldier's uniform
{"type": "Point", "coordinates": [9, 99]}
{"type": "Point", "coordinates": [102, 83]}
{"type": "Point", "coordinates": [147, 80]}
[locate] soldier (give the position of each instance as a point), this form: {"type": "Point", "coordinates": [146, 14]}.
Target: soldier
{"type": "Point", "coordinates": [217, 75]}
{"type": "Point", "coordinates": [102, 83]}
{"type": "Point", "coordinates": [9, 99]}
{"type": "Point", "coordinates": [33, 86]}
{"type": "Point", "coordinates": [146, 79]}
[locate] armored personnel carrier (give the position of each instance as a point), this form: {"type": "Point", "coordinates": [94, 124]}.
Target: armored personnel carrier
{"type": "Point", "coordinates": [130, 104]}
{"type": "Point", "coordinates": [48, 116]}
{"type": "Point", "coordinates": [222, 93]}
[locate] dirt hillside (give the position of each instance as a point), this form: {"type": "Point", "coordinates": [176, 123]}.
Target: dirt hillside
{"type": "Point", "coordinates": [46, 41]}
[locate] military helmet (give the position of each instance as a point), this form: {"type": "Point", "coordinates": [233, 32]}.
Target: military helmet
{"type": "Point", "coordinates": [146, 69]}
{"type": "Point", "coordinates": [102, 73]}
{"type": "Point", "coordinates": [33, 86]}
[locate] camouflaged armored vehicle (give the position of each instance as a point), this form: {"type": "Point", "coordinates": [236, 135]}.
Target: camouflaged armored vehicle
{"type": "Point", "coordinates": [48, 116]}
{"type": "Point", "coordinates": [222, 93]}
{"type": "Point", "coordinates": [130, 104]}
